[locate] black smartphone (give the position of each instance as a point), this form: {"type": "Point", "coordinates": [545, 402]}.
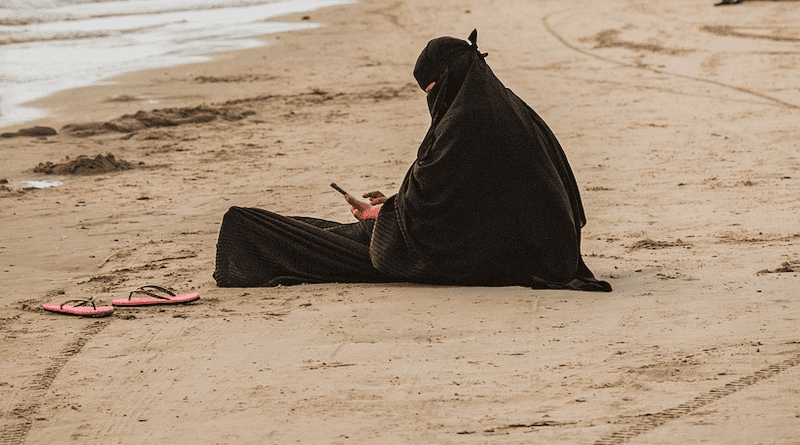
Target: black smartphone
{"type": "Point", "coordinates": [338, 189]}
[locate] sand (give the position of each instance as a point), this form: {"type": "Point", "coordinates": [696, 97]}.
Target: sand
{"type": "Point", "coordinates": [680, 123]}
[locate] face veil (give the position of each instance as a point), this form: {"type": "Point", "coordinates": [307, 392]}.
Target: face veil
{"type": "Point", "coordinates": [446, 61]}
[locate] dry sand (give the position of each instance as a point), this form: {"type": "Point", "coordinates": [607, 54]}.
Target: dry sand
{"type": "Point", "coordinates": [680, 121]}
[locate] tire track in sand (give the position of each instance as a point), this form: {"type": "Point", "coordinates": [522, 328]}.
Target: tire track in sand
{"type": "Point", "coordinates": [649, 422]}
{"type": "Point", "coordinates": [563, 41]}
{"type": "Point", "coordinates": [22, 414]}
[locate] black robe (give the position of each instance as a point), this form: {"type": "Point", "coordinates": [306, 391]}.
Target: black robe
{"type": "Point", "coordinates": [490, 200]}
{"type": "Point", "coordinates": [258, 248]}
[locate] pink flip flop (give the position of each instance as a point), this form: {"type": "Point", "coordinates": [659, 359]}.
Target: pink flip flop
{"type": "Point", "coordinates": [167, 296]}
{"type": "Point", "coordinates": [82, 308]}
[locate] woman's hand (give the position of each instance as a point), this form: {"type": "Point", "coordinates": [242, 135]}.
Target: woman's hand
{"type": "Point", "coordinates": [375, 197]}
{"type": "Point", "coordinates": [361, 210]}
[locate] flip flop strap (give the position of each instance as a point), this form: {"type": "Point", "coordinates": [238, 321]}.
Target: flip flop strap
{"type": "Point", "coordinates": [81, 302]}
{"type": "Point", "coordinates": [168, 291]}
{"type": "Point", "coordinates": [146, 292]}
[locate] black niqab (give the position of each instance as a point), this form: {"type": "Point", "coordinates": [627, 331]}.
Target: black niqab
{"type": "Point", "coordinates": [491, 199]}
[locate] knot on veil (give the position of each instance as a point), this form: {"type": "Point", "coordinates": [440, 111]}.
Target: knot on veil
{"type": "Point", "coordinates": [473, 40]}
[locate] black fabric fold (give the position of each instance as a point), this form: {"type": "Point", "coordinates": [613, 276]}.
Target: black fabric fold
{"type": "Point", "coordinates": [258, 248]}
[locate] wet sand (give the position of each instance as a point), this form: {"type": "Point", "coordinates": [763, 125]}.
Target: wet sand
{"type": "Point", "coordinates": [680, 123]}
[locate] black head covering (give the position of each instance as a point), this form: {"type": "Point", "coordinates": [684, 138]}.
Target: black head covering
{"type": "Point", "coordinates": [446, 61]}
{"type": "Point", "coordinates": [491, 199]}
{"type": "Point", "coordinates": [441, 54]}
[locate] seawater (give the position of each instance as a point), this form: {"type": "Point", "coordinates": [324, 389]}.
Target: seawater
{"type": "Point", "coordinates": [52, 45]}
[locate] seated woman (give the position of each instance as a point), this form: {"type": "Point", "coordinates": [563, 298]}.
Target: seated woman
{"type": "Point", "coordinates": [490, 201]}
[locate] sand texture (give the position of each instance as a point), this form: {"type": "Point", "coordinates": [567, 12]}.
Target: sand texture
{"type": "Point", "coordinates": [680, 120]}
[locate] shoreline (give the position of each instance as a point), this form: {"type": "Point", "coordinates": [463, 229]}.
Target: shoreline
{"type": "Point", "coordinates": [58, 100]}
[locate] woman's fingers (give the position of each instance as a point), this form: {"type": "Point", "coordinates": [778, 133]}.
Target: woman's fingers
{"type": "Point", "coordinates": [356, 204]}
{"type": "Point", "coordinates": [362, 210]}
{"type": "Point", "coordinates": [377, 201]}
{"type": "Point", "coordinates": [368, 213]}
{"type": "Point", "coordinates": [375, 194]}
{"type": "Point", "coordinates": [375, 197]}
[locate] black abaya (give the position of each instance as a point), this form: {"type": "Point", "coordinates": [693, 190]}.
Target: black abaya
{"type": "Point", "coordinates": [490, 200]}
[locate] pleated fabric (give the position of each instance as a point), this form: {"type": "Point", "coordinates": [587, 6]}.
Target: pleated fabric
{"type": "Point", "coordinates": [258, 248]}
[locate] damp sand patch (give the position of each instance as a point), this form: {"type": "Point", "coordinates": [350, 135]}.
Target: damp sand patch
{"type": "Point", "coordinates": [31, 132]}
{"type": "Point", "coordinates": [649, 244]}
{"type": "Point", "coordinates": [786, 267]}
{"type": "Point", "coordinates": [85, 165]}
{"type": "Point", "coordinates": [167, 117]}
{"type": "Point", "coordinates": [17, 189]}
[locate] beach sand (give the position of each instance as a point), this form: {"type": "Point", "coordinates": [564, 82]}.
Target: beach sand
{"type": "Point", "coordinates": [680, 123]}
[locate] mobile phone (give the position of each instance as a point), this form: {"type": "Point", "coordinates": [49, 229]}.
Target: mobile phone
{"type": "Point", "coordinates": [338, 189]}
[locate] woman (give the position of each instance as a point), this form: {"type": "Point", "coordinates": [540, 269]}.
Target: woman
{"type": "Point", "coordinates": [490, 200]}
